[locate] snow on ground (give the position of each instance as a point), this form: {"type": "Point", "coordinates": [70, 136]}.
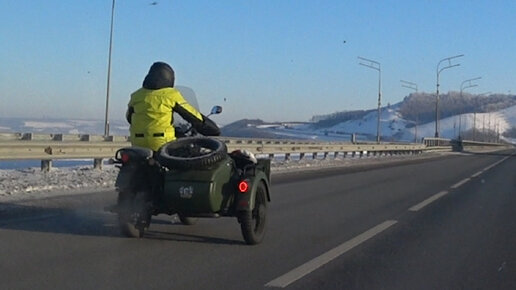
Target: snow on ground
{"type": "Point", "coordinates": [391, 123]}
{"type": "Point", "coordinates": [44, 125]}
{"type": "Point", "coordinates": [510, 115]}
{"type": "Point", "coordinates": [393, 126]}
{"type": "Point", "coordinates": [32, 183]}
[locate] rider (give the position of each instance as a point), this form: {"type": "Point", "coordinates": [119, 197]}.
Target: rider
{"type": "Point", "coordinates": [151, 109]}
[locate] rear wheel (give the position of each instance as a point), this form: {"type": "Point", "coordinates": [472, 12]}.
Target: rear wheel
{"type": "Point", "coordinates": [134, 214]}
{"type": "Point", "coordinates": [252, 223]}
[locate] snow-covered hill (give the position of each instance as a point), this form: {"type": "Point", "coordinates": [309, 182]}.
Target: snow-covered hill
{"type": "Point", "coordinates": [395, 128]}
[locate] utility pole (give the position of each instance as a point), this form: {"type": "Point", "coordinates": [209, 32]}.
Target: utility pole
{"type": "Point", "coordinates": [483, 121]}
{"type": "Point", "coordinates": [464, 85]}
{"type": "Point", "coordinates": [483, 127]}
{"type": "Point", "coordinates": [474, 125]}
{"type": "Point", "coordinates": [498, 131]}
{"type": "Point", "coordinates": [106, 122]}
{"type": "Point", "coordinates": [412, 86]}
{"type": "Point", "coordinates": [376, 66]}
{"type": "Point", "coordinates": [409, 85]}
{"type": "Point", "coordinates": [439, 70]}
{"type": "Point", "coordinates": [489, 125]}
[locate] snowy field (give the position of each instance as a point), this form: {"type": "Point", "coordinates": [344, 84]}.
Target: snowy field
{"type": "Point", "coordinates": [29, 183]}
{"type": "Point", "coordinates": [395, 128]}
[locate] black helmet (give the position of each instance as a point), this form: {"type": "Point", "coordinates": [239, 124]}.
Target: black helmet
{"type": "Point", "coordinates": [160, 75]}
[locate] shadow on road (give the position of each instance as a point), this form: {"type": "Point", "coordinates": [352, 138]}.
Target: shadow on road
{"type": "Point", "coordinates": [89, 222]}
{"type": "Point", "coordinates": [190, 238]}
{"type": "Point", "coordinates": [94, 222]}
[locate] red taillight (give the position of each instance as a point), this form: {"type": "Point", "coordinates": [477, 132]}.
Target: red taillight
{"type": "Point", "coordinates": [125, 157]}
{"type": "Point", "coordinates": [243, 186]}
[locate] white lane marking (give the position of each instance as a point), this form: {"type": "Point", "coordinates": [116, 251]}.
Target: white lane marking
{"type": "Point", "coordinates": [428, 201]}
{"type": "Point", "coordinates": [458, 184]}
{"type": "Point", "coordinates": [490, 166]}
{"type": "Point", "coordinates": [477, 174]}
{"type": "Point", "coordinates": [312, 265]}
{"type": "Point", "coordinates": [496, 163]}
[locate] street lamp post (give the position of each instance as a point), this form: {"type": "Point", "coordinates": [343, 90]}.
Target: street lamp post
{"type": "Point", "coordinates": [475, 121]}
{"type": "Point", "coordinates": [106, 121]}
{"type": "Point", "coordinates": [376, 66]}
{"type": "Point", "coordinates": [412, 86]}
{"type": "Point", "coordinates": [464, 85]}
{"type": "Point", "coordinates": [439, 70]}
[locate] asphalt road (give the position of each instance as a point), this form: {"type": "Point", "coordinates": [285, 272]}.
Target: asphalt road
{"type": "Point", "coordinates": [445, 223]}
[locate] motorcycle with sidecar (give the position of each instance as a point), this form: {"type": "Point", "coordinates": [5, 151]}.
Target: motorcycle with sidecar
{"type": "Point", "coordinates": [193, 177]}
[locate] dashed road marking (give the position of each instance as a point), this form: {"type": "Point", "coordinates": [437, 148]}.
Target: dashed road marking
{"type": "Point", "coordinates": [428, 201]}
{"type": "Point", "coordinates": [460, 183]}
{"type": "Point", "coordinates": [496, 163]}
{"type": "Point", "coordinates": [312, 265]}
{"type": "Point", "coordinates": [477, 174]}
{"type": "Point", "coordinates": [456, 185]}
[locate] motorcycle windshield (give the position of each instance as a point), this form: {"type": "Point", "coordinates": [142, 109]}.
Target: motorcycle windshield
{"type": "Point", "coordinates": [191, 98]}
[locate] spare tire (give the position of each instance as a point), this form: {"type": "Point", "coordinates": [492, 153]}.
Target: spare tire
{"type": "Point", "coordinates": [192, 153]}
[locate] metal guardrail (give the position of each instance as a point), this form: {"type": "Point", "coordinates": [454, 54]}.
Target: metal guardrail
{"type": "Point", "coordinates": [48, 147]}
{"type": "Point", "coordinates": [437, 142]}
{"type": "Point", "coordinates": [478, 143]}
{"type": "Point", "coordinates": [434, 144]}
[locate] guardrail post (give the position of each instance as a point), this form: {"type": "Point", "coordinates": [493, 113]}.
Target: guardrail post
{"type": "Point", "coordinates": [335, 155]}
{"type": "Point", "coordinates": [27, 136]}
{"type": "Point", "coordinates": [314, 156]}
{"type": "Point", "coordinates": [325, 155]}
{"type": "Point", "coordinates": [301, 156]}
{"type": "Point", "coordinates": [287, 156]}
{"type": "Point", "coordinates": [46, 165]}
{"type": "Point", "coordinates": [271, 156]}
{"type": "Point", "coordinates": [97, 163]}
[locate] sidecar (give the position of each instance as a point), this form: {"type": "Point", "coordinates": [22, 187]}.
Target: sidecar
{"type": "Point", "coordinates": [202, 180]}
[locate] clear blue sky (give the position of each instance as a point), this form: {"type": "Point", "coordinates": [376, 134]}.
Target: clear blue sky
{"type": "Point", "coordinates": [271, 59]}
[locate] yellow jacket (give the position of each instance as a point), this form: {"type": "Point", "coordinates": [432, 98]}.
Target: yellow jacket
{"type": "Point", "coordinates": [151, 116]}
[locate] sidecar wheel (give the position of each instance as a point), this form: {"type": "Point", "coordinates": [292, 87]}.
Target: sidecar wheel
{"type": "Point", "coordinates": [188, 221]}
{"type": "Point", "coordinates": [252, 223]}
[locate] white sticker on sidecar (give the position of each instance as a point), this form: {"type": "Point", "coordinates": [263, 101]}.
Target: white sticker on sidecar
{"type": "Point", "coordinates": [186, 192]}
